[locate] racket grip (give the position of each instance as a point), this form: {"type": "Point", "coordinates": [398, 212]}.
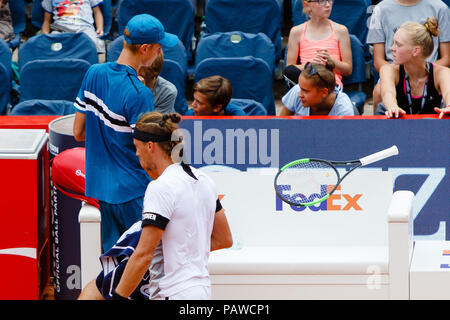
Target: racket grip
{"type": "Point", "coordinates": [380, 155]}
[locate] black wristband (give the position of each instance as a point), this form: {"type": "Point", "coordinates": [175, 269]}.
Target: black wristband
{"type": "Point", "coordinates": [116, 296]}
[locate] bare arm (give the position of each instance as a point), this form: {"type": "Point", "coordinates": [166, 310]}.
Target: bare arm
{"type": "Point", "coordinates": [442, 81]}
{"type": "Point", "coordinates": [344, 66]}
{"type": "Point", "coordinates": [79, 129]}
{"type": "Point", "coordinates": [388, 79]}
{"type": "Point", "coordinates": [379, 58]}
{"type": "Point", "coordinates": [286, 112]}
{"type": "Point", "coordinates": [221, 234]}
{"type": "Point", "coordinates": [98, 18]}
{"type": "Point", "coordinates": [140, 260]}
{"type": "Point", "coordinates": [46, 23]}
{"type": "Point", "coordinates": [444, 54]}
{"type": "Point", "coordinates": [293, 43]}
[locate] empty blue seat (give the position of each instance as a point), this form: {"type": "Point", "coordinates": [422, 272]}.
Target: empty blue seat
{"type": "Point", "coordinates": [5, 89]}
{"type": "Point", "coordinates": [251, 77]}
{"type": "Point", "coordinates": [58, 46]}
{"type": "Point", "coordinates": [37, 14]}
{"type": "Point", "coordinates": [114, 49]}
{"type": "Point", "coordinates": [250, 106]}
{"type": "Point", "coordinates": [236, 44]}
{"type": "Point", "coordinates": [351, 13]}
{"type": "Point", "coordinates": [174, 72]}
{"type": "Point", "coordinates": [52, 79]}
{"type": "Point", "coordinates": [5, 56]}
{"type": "Point", "coordinates": [177, 16]}
{"type": "Point", "coordinates": [5, 76]}
{"type": "Point", "coordinates": [18, 16]}
{"type": "Point", "coordinates": [250, 16]}
{"type": "Point", "coordinates": [358, 75]}
{"type": "Point", "coordinates": [43, 108]}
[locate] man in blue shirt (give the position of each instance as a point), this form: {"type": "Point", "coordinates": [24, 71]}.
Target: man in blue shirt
{"type": "Point", "coordinates": [110, 101]}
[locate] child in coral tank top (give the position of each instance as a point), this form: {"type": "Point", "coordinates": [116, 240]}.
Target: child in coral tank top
{"type": "Point", "coordinates": [317, 40]}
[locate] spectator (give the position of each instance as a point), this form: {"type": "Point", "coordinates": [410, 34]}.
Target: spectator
{"type": "Point", "coordinates": [413, 85]}
{"type": "Point", "coordinates": [75, 16]}
{"type": "Point", "coordinates": [318, 40]}
{"type": "Point", "coordinates": [109, 102]}
{"type": "Point", "coordinates": [317, 94]}
{"type": "Point", "coordinates": [6, 26]}
{"type": "Point", "coordinates": [389, 15]}
{"type": "Point", "coordinates": [164, 92]}
{"type": "Point", "coordinates": [211, 98]}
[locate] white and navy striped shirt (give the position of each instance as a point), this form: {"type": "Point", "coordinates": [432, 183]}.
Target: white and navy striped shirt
{"type": "Point", "coordinates": [112, 98]}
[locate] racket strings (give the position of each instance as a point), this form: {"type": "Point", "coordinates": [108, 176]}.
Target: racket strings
{"type": "Point", "coordinates": [305, 183]}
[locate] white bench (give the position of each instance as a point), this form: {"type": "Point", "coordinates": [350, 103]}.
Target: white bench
{"type": "Point", "coordinates": [430, 270]}
{"type": "Point", "coordinates": [261, 265]}
{"type": "Point", "coordinates": [306, 265]}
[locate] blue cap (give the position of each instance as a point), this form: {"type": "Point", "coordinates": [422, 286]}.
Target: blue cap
{"type": "Point", "coordinates": [146, 29]}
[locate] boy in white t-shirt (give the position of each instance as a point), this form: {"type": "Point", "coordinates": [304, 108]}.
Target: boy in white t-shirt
{"type": "Point", "coordinates": [75, 16]}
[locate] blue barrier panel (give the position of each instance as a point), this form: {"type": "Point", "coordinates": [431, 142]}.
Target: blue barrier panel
{"type": "Point", "coordinates": [421, 165]}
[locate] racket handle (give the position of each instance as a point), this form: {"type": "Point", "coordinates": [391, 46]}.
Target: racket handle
{"type": "Point", "coordinates": [380, 155]}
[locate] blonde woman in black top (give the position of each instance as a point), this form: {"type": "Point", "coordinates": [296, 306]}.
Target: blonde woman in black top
{"type": "Point", "coordinates": [411, 85]}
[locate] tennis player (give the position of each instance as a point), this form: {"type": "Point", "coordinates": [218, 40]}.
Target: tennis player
{"type": "Point", "coordinates": [181, 210]}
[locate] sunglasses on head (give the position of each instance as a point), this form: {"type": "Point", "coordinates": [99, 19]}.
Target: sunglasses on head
{"type": "Point", "coordinates": [309, 67]}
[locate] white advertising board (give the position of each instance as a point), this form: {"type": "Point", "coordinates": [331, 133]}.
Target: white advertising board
{"type": "Point", "coordinates": [356, 214]}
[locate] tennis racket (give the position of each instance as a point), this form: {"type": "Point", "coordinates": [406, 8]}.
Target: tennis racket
{"type": "Point", "coordinates": [317, 178]}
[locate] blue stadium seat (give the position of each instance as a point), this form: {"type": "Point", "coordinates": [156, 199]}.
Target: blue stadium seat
{"type": "Point", "coordinates": [114, 49]}
{"type": "Point", "coordinates": [250, 107]}
{"type": "Point", "coordinates": [447, 2]}
{"type": "Point", "coordinates": [5, 76]}
{"type": "Point", "coordinates": [251, 77]}
{"type": "Point", "coordinates": [37, 16]}
{"type": "Point", "coordinates": [58, 46]}
{"type": "Point", "coordinates": [174, 72]}
{"type": "Point", "coordinates": [52, 79]}
{"type": "Point", "coordinates": [174, 68]}
{"type": "Point", "coordinates": [351, 13]}
{"type": "Point", "coordinates": [250, 16]}
{"type": "Point", "coordinates": [236, 44]}
{"type": "Point", "coordinates": [5, 89]}
{"type": "Point", "coordinates": [358, 75]}
{"type": "Point", "coordinates": [18, 16]}
{"type": "Point", "coordinates": [106, 8]}
{"type": "Point", "coordinates": [43, 108]}
{"type": "Point", "coordinates": [5, 56]}
{"type": "Point", "coordinates": [177, 16]}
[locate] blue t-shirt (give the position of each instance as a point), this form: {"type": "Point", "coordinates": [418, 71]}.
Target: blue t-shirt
{"type": "Point", "coordinates": [112, 98]}
{"type": "Point", "coordinates": [342, 106]}
{"type": "Point", "coordinates": [230, 110]}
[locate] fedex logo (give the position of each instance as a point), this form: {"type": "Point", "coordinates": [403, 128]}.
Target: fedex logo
{"type": "Point", "coordinates": [338, 201]}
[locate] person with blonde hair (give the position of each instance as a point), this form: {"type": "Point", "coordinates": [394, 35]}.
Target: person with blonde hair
{"type": "Point", "coordinates": [413, 85]}
{"type": "Point", "coordinates": [317, 94]}
{"type": "Point", "coordinates": [318, 40]}
{"type": "Point", "coordinates": [389, 15]}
